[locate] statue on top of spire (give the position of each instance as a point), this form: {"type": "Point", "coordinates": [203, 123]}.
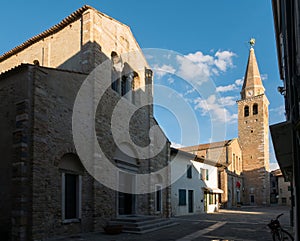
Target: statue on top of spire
{"type": "Point", "coordinates": [252, 42]}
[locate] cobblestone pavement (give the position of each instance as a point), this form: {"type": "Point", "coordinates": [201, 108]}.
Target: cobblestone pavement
{"type": "Point", "coordinates": [244, 224]}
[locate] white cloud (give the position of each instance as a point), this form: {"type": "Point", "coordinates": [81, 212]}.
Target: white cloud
{"type": "Point", "coordinates": [235, 86]}
{"type": "Point", "coordinates": [194, 71]}
{"type": "Point", "coordinates": [226, 88]}
{"type": "Point", "coordinates": [189, 91]}
{"type": "Point", "coordinates": [264, 76]}
{"type": "Point", "coordinates": [161, 71]}
{"type": "Point", "coordinates": [228, 100]}
{"type": "Point", "coordinates": [171, 80]}
{"type": "Point", "coordinates": [199, 57]}
{"type": "Point", "coordinates": [176, 145]}
{"type": "Point", "coordinates": [239, 82]}
{"type": "Point", "coordinates": [280, 110]}
{"type": "Point", "coordinates": [199, 67]}
{"type": "Point", "coordinates": [216, 108]}
{"type": "Point", "coordinates": [224, 60]}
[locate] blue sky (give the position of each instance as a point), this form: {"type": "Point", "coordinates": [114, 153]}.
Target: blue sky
{"type": "Point", "coordinates": [212, 34]}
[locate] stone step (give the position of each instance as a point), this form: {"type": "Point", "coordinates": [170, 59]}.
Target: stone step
{"type": "Point", "coordinates": [135, 218]}
{"type": "Point", "coordinates": [151, 229]}
{"type": "Point", "coordinates": [133, 223]}
{"type": "Point", "coordinates": [142, 224]}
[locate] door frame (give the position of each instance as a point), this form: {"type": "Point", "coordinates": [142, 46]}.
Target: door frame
{"type": "Point", "coordinates": [191, 201]}
{"type": "Point", "coordinates": [134, 199]}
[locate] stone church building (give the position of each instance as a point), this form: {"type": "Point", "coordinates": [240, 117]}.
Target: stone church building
{"type": "Point", "coordinates": [46, 190]}
{"type": "Point", "coordinates": [245, 180]}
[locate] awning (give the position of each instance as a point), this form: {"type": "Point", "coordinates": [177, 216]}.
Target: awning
{"type": "Point", "coordinates": [213, 190]}
{"type": "Point", "coordinates": [282, 137]}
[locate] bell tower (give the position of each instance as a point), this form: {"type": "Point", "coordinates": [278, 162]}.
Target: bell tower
{"type": "Point", "coordinates": [253, 131]}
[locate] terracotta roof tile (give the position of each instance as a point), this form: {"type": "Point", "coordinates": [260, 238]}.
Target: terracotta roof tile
{"type": "Point", "coordinates": [206, 146]}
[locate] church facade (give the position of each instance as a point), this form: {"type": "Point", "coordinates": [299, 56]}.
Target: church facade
{"type": "Point", "coordinates": [48, 191]}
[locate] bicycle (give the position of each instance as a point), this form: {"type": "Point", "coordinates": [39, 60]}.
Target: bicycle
{"type": "Point", "coordinates": [278, 233]}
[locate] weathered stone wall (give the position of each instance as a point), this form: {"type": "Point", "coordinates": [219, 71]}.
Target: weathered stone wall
{"type": "Point", "coordinates": [54, 95]}
{"type": "Point", "coordinates": [15, 124]}
{"type": "Point", "coordinates": [284, 191]}
{"type": "Point", "coordinates": [235, 159]}
{"type": "Point", "coordinates": [80, 46]}
{"type": "Point", "coordinates": [253, 137]}
{"type": "Point", "coordinates": [47, 97]}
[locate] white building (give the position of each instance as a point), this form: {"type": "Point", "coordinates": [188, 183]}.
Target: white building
{"type": "Point", "coordinates": [194, 186]}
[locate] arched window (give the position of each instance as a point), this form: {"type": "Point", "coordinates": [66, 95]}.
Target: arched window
{"type": "Point", "coordinates": [246, 111]}
{"type": "Point", "coordinates": [255, 109]}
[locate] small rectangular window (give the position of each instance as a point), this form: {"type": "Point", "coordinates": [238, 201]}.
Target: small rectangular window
{"type": "Point", "coordinates": [189, 171]}
{"type": "Point", "coordinates": [71, 196]}
{"type": "Point", "coordinates": [246, 111]}
{"type": "Point", "coordinates": [182, 197]}
{"type": "Point", "coordinates": [255, 109]}
{"type": "Point", "coordinates": [207, 174]}
{"type": "Point", "coordinates": [204, 174]}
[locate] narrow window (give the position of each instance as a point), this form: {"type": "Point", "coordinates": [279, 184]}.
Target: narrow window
{"type": "Point", "coordinates": [233, 162]}
{"type": "Point", "coordinates": [203, 174]}
{"type": "Point", "coordinates": [182, 197]}
{"type": "Point", "coordinates": [255, 109]}
{"type": "Point", "coordinates": [117, 68]}
{"type": "Point", "coordinates": [124, 88]}
{"type": "Point", "coordinates": [189, 171]}
{"type": "Point", "coordinates": [71, 196]}
{"type": "Point", "coordinates": [246, 111]}
{"type": "Point", "coordinates": [158, 198]}
{"type": "Point", "coordinates": [207, 174]}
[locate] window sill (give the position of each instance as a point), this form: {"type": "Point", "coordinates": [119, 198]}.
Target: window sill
{"type": "Point", "coordinates": [73, 220]}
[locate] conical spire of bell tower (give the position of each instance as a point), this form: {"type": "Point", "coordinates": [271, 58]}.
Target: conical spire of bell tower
{"type": "Point", "coordinates": [252, 82]}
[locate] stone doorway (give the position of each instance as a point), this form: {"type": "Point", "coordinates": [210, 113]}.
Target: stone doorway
{"type": "Point", "coordinates": [128, 168]}
{"type": "Point", "coordinates": [127, 199]}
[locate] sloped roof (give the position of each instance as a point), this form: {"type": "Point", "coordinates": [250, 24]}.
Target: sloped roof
{"type": "Point", "coordinates": [276, 172]}
{"type": "Point", "coordinates": [252, 76]}
{"type": "Point", "coordinates": [64, 23]}
{"type": "Point", "coordinates": [175, 151]}
{"type": "Point", "coordinates": [206, 146]}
